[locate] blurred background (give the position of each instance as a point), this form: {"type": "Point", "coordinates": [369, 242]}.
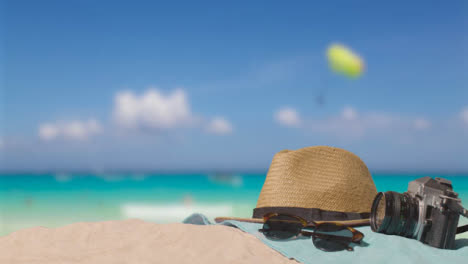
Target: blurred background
{"type": "Point", "coordinates": [155, 110]}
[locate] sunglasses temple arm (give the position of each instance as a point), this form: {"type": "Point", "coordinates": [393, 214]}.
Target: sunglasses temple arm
{"type": "Point", "coordinates": [341, 238]}
{"type": "Point", "coordinates": [357, 236]}
{"type": "Point", "coordinates": [307, 233]}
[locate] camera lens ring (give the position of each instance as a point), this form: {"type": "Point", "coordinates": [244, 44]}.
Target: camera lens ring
{"type": "Point", "coordinates": [395, 223]}
{"type": "Point", "coordinates": [375, 225]}
{"type": "Point", "coordinates": [383, 223]}
{"type": "Point", "coordinates": [397, 214]}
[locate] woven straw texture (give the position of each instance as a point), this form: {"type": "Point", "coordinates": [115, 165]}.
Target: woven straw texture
{"type": "Point", "coordinates": [322, 177]}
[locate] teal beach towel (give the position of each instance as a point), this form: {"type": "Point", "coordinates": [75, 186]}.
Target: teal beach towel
{"type": "Point", "coordinates": [376, 248]}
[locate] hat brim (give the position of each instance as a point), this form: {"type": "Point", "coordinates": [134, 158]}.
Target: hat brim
{"type": "Point", "coordinates": [357, 222]}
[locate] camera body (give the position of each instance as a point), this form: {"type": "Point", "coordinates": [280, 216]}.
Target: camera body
{"type": "Point", "coordinates": [438, 211]}
{"type": "Point", "coordinates": [429, 212]}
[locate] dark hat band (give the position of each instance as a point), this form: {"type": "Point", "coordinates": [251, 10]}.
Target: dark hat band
{"type": "Point", "coordinates": [311, 214]}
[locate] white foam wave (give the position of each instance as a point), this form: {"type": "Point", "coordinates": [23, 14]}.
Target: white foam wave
{"type": "Point", "coordinates": [173, 212]}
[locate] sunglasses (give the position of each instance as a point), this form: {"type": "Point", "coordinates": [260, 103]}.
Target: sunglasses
{"type": "Point", "coordinates": [325, 236]}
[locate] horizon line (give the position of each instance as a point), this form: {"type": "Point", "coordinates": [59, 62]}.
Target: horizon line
{"type": "Point", "coordinates": [213, 171]}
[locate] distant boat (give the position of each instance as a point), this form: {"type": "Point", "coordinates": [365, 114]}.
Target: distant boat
{"type": "Point", "coordinates": [63, 177]}
{"type": "Point", "coordinates": [227, 179]}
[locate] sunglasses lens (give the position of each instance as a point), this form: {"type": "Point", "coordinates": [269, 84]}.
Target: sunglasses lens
{"type": "Point", "coordinates": [331, 237]}
{"type": "Point", "coordinates": [282, 227]}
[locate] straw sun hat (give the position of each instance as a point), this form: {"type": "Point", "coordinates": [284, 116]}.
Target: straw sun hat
{"type": "Point", "coordinates": [323, 184]}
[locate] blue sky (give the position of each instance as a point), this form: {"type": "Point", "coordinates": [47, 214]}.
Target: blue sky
{"type": "Point", "coordinates": [147, 85]}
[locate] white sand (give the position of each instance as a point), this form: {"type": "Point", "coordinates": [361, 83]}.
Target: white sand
{"type": "Point", "coordinates": [135, 241]}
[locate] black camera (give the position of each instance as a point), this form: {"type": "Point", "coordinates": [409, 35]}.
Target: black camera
{"type": "Point", "coordinates": [429, 212]}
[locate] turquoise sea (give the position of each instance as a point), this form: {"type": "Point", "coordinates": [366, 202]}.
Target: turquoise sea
{"type": "Point", "coordinates": [51, 200]}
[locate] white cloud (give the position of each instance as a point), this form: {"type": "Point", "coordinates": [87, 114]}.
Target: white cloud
{"type": "Point", "coordinates": [288, 117]}
{"type": "Point", "coordinates": [349, 113]}
{"type": "Point", "coordinates": [48, 131]}
{"type": "Point", "coordinates": [464, 115]}
{"type": "Point", "coordinates": [347, 123]}
{"type": "Point", "coordinates": [74, 130]}
{"type": "Point", "coordinates": [152, 109]}
{"type": "Point", "coordinates": [421, 124]}
{"type": "Point", "coordinates": [351, 123]}
{"type": "Point", "coordinates": [219, 125]}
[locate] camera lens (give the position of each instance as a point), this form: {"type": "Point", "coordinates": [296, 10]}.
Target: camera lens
{"type": "Point", "coordinates": [380, 211]}
{"type": "Point", "coordinates": [393, 213]}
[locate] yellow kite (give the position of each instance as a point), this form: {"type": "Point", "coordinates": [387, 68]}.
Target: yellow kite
{"type": "Point", "coordinates": [344, 61]}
